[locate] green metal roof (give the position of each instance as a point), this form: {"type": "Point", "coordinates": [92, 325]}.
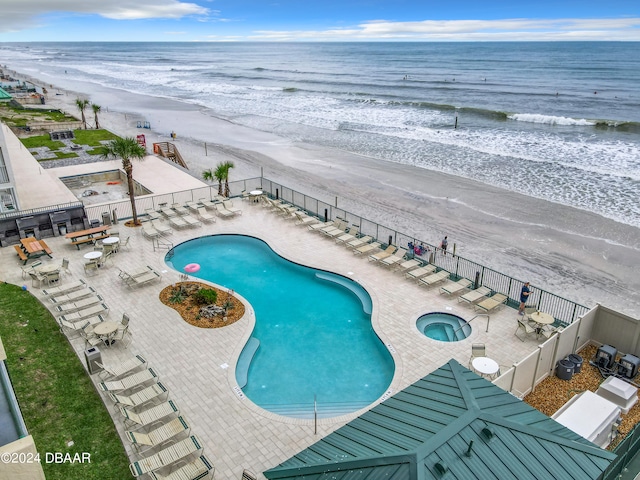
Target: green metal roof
{"type": "Point", "coordinates": [4, 95]}
{"type": "Point", "coordinates": [425, 432]}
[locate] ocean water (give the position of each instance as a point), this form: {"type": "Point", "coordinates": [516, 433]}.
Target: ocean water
{"type": "Point", "coordinates": [559, 121]}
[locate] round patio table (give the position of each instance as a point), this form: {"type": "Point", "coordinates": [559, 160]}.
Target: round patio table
{"type": "Point", "coordinates": [106, 330]}
{"type": "Point", "coordinates": [92, 255]}
{"type": "Point", "coordinates": [49, 268]}
{"type": "Point", "coordinates": [485, 366]}
{"type": "Point", "coordinates": [110, 240]}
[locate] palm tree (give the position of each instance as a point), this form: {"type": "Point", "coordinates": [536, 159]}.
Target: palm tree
{"type": "Point", "coordinates": [82, 103]}
{"type": "Point", "coordinates": [220, 173]}
{"type": "Point", "coordinates": [96, 110]}
{"type": "Point", "coordinates": [228, 165]}
{"type": "Point", "coordinates": [211, 175]}
{"type": "Point", "coordinates": [126, 149]}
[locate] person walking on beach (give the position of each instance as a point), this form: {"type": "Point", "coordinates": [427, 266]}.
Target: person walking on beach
{"type": "Point", "coordinates": [444, 245]}
{"type": "Point", "coordinates": [524, 295]}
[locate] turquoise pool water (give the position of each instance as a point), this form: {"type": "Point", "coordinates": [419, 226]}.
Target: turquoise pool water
{"type": "Point", "coordinates": [313, 328]}
{"type": "Point", "coordinates": [444, 327]}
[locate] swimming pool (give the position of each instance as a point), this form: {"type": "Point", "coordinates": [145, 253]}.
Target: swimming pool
{"type": "Point", "coordinates": [313, 328]}
{"type": "Point", "coordinates": [444, 327]}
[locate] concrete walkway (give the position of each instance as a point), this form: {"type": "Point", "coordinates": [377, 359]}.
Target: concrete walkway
{"type": "Point", "coordinates": [197, 365]}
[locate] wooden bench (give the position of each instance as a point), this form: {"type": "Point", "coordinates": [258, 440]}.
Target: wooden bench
{"type": "Point", "coordinates": [21, 254]}
{"type": "Point", "coordinates": [81, 241]}
{"type": "Point", "coordinates": [46, 247]}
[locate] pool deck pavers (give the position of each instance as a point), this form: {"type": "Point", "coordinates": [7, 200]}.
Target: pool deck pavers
{"type": "Point", "coordinates": [197, 365]}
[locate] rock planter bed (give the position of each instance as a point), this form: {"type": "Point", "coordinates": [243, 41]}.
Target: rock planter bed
{"type": "Point", "coordinates": [195, 303]}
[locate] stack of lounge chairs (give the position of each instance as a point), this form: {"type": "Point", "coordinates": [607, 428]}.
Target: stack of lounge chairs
{"type": "Point", "coordinates": [77, 306]}
{"type": "Point", "coordinates": [139, 276]}
{"type": "Point", "coordinates": [160, 435]}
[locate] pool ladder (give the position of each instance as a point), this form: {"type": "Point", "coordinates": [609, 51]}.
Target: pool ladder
{"type": "Point", "coordinates": [462, 326]}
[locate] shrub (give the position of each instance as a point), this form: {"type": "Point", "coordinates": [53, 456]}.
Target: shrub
{"type": "Point", "coordinates": [205, 296]}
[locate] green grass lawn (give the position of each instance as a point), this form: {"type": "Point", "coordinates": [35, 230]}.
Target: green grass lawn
{"type": "Point", "coordinates": [92, 137]}
{"type": "Point", "coordinates": [42, 141]}
{"type": "Point", "coordinates": [58, 400]}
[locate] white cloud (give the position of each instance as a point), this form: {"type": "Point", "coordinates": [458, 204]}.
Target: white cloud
{"type": "Point", "coordinates": [21, 14]}
{"type": "Point", "coordinates": [471, 30]}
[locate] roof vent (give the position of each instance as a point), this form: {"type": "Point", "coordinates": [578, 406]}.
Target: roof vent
{"type": "Point", "coordinates": [487, 433]}
{"type": "Point", "coordinates": [441, 468]}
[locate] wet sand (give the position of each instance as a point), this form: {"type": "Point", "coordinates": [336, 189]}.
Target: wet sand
{"type": "Point", "coordinates": [572, 253]}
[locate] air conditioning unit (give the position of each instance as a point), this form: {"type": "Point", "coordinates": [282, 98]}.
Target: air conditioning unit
{"type": "Point", "coordinates": [628, 366]}
{"type": "Point", "coordinates": [606, 356]}
{"type": "Point", "coordinates": [619, 392]}
{"type": "Point", "coordinates": [590, 416]}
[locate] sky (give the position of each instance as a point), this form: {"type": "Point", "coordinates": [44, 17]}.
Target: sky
{"type": "Point", "coordinates": [311, 20]}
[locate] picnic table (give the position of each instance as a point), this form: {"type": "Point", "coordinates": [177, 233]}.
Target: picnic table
{"type": "Point", "coordinates": [31, 247]}
{"type": "Point", "coordinates": [89, 235]}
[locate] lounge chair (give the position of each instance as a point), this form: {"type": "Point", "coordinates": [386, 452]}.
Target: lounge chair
{"type": "Point", "coordinates": [492, 302]}
{"type": "Point", "coordinates": [434, 278]}
{"type": "Point", "coordinates": [82, 304]}
{"type": "Point", "coordinates": [162, 228]}
{"type": "Point", "coordinates": [222, 211]}
{"type": "Point", "coordinates": [228, 204]}
{"type": "Point", "coordinates": [143, 279]}
{"type": "Point", "coordinates": [337, 226]}
{"type": "Point", "coordinates": [191, 221]}
{"type": "Point", "coordinates": [152, 214]}
{"type": "Point", "coordinates": [395, 258]}
{"type": "Point", "coordinates": [158, 435]}
{"type": "Point", "coordinates": [140, 397]}
{"type": "Point", "coordinates": [149, 415]}
{"type": "Point", "coordinates": [456, 287]}
{"type": "Point", "coordinates": [72, 296]}
{"type": "Point", "coordinates": [359, 242]}
{"type": "Point", "coordinates": [70, 328]}
{"type": "Point", "coordinates": [93, 311]}
{"type": "Point", "coordinates": [408, 265]}
{"type": "Point", "coordinates": [204, 215]}
{"type": "Point", "coordinates": [130, 381]}
{"type": "Point", "coordinates": [178, 222]}
{"type": "Point", "coordinates": [195, 470]}
{"type": "Point", "coordinates": [352, 234]}
{"type": "Point", "coordinates": [149, 231]}
{"type": "Point", "coordinates": [115, 371]}
{"type": "Point", "coordinates": [135, 272]}
{"type": "Point", "coordinates": [168, 212]}
{"type": "Point", "coordinates": [208, 204]}
{"type": "Point", "coordinates": [304, 219]}
{"type": "Point", "coordinates": [369, 247]}
{"type": "Point", "coordinates": [474, 295]}
{"type": "Point", "coordinates": [180, 209]}
{"type": "Point", "coordinates": [64, 289]}
{"type": "Point", "coordinates": [166, 456]}
{"type": "Point", "coordinates": [316, 227]}
{"type": "Point", "coordinates": [336, 232]}
{"type": "Point", "coordinates": [389, 251]}
{"type": "Point", "coordinates": [418, 273]}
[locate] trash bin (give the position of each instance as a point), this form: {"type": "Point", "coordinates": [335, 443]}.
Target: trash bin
{"type": "Point", "coordinates": [93, 357]}
{"type": "Point", "coordinates": [106, 218]}
{"type": "Point", "coordinates": [564, 369]}
{"type": "Point", "coordinates": [577, 362]}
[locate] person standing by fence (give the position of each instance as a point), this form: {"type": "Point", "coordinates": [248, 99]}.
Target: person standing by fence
{"type": "Point", "coordinates": [444, 244]}
{"type": "Point", "coordinates": [524, 296]}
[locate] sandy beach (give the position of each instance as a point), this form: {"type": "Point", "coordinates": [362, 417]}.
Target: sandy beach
{"type": "Point", "coordinates": [570, 252]}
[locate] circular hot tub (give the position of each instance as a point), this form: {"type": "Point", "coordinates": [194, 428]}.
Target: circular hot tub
{"type": "Point", "coordinates": [444, 327]}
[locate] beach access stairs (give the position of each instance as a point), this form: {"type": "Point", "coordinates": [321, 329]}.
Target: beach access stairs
{"type": "Point", "coordinates": [170, 151]}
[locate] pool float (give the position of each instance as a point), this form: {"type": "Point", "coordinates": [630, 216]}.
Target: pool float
{"type": "Point", "coordinates": [192, 268]}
